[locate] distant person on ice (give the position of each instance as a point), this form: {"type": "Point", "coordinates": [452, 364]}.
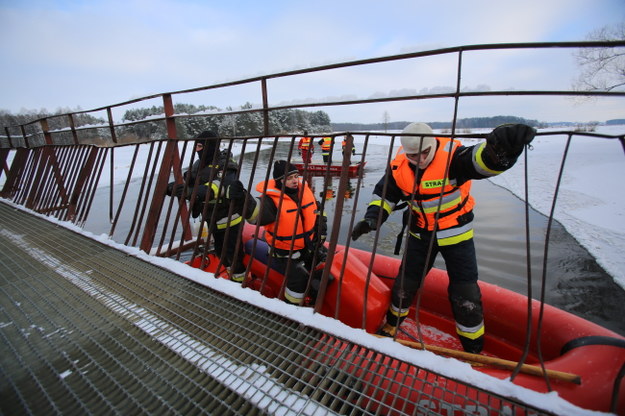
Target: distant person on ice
{"type": "Point", "coordinates": [326, 148]}
{"type": "Point", "coordinates": [306, 148]}
{"type": "Point", "coordinates": [417, 175]}
{"type": "Point", "coordinates": [344, 144]}
{"type": "Point", "coordinates": [214, 177]}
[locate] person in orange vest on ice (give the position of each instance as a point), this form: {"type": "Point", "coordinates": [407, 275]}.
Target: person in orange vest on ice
{"type": "Point", "coordinates": [306, 148]}
{"type": "Point", "coordinates": [291, 254]}
{"type": "Point", "coordinates": [349, 192]}
{"type": "Point", "coordinates": [344, 143]}
{"type": "Point", "coordinates": [326, 148]}
{"type": "Point", "coordinates": [418, 175]}
{"type": "Point", "coordinates": [328, 194]}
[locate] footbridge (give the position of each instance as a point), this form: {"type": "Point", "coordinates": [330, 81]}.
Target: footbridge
{"type": "Point", "coordinates": [90, 329]}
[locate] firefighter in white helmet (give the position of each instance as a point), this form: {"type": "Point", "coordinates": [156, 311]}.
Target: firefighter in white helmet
{"type": "Point", "coordinates": [433, 175]}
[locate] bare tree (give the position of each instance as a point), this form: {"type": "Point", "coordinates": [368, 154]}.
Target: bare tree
{"type": "Point", "coordinates": [386, 118]}
{"type": "Point", "coordinates": [602, 69]}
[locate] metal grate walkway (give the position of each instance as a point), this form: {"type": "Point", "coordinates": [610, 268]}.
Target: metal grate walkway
{"type": "Point", "coordinates": [87, 329]}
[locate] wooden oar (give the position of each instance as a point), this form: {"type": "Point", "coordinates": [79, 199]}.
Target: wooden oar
{"type": "Point", "coordinates": [495, 362]}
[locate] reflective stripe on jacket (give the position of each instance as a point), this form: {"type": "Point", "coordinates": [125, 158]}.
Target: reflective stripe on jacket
{"type": "Point", "coordinates": [305, 143]}
{"type": "Point", "coordinates": [326, 145]}
{"type": "Point", "coordinates": [454, 200]}
{"type": "Point", "coordinates": [222, 221]}
{"type": "Point", "coordinates": [279, 234]}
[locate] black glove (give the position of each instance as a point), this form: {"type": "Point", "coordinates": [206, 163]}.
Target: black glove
{"type": "Point", "coordinates": [200, 193]}
{"type": "Point", "coordinates": [363, 227]}
{"type": "Point", "coordinates": [178, 191]}
{"type": "Point", "coordinates": [322, 229]}
{"type": "Point", "coordinates": [507, 141]}
{"type": "Point", "coordinates": [197, 207]}
{"type": "Point", "coordinates": [170, 188]}
{"type": "Point", "coordinates": [322, 253]}
{"type": "Point", "coordinates": [234, 191]}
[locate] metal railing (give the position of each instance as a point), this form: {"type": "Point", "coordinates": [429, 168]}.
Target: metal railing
{"type": "Point", "coordinates": [56, 170]}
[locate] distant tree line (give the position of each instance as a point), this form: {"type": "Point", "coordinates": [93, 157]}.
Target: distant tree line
{"type": "Point", "coordinates": [615, 122]}
{"type": "Point", "coordinates": [143, 124]}
{"type": "Point", "coordinates": [281, 122]}
{"type": "Point", "coordinates": [389, 125]}
{"type": "Point", "coordinates": [28, 118]}
{"type": "Point", "coordinates": [464, 123]}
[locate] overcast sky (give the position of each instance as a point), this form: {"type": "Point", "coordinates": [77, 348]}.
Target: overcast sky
{"type": "Point", "coordinates": [92, 53]}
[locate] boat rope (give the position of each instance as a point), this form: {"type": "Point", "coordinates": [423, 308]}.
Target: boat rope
{"type": "Point", "coordinates": [616, 389]}
{"type": "Point", "coordinates": [592, 340]}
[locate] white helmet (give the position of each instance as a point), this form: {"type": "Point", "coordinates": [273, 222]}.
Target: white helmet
{"type": "Point", "coordinates": [418, 144]}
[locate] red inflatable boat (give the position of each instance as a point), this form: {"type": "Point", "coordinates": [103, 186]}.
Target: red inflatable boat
{"type": "Point", "coordinates": [583, 359]}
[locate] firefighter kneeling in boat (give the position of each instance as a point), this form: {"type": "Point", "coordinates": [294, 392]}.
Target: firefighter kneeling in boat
{"type": "Point", "coordinates": [433, 174]}
{"type": "Point", "coordinates": [219, 198]}
{"type": "Point", "coordinates": [294, 228]}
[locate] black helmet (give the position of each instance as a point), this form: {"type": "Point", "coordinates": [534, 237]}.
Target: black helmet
{"type": "Point", "coordinates": [209, 143]}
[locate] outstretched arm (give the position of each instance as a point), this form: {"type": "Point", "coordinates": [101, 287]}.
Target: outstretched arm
{"type": "Point", "coordinates": [499, 153]}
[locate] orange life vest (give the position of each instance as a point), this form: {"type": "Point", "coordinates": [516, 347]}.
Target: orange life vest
{"type": "Point", "coordinates": [279, 234]}
{"type": "Point", "coordinates": [344, 143]}
{"type": "Point", "coordinates": [456, 200]}
{"type": "Point", "coordinates": [305, 142]}
{"type": "Point", "coordinates": [326, 145]}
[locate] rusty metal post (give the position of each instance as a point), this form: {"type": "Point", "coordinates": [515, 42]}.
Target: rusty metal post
{"type": "Point", "coordinates": [158, 196]}
{"type": "Point", "coordinates": [72, 126]}
{"type": "Point", "coordinates": [24, 136]}
{"type": "Point", "coordinates": [109, 113]}
{"type": "Point", "coordinates": [16, 171]}
{"type": "Point", "coordinates": [22, 180]}
{"type": "Point", "coordinates": [84, 174]}
{"type": "Point", "coordinates": [4, 168]}
{"type": "Point", "coordinates": [41, 165]}
{"type": "Point", "coordinates": [8, 133]}
{"type": "Point", "coordinates": [54, 169]}
{"type": "Point", "coordinates": [4, 154]}
{"type": "Point", "coordinates": [265, 107]}
{"type": "Point", "coordinates": [338, 213]}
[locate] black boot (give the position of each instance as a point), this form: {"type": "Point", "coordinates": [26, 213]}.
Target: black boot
{"type": "Point", "coordinates": [387, 330]}
{"type": "Point", "coordinates": [466, 304]}
{"type": "Point", "coordinates": [474, 346]}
